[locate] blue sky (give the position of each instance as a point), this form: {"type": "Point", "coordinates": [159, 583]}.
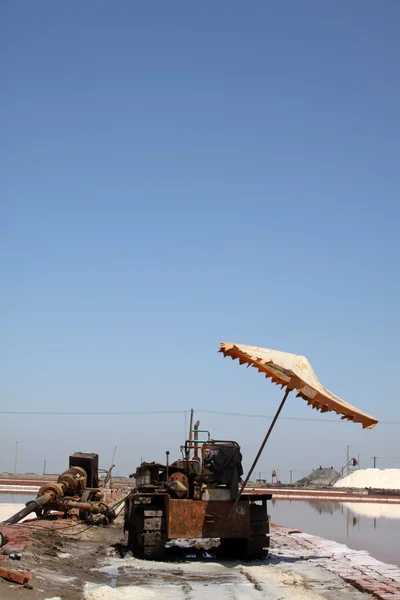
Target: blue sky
{"type": "Point", "coordinates": [176, 174]}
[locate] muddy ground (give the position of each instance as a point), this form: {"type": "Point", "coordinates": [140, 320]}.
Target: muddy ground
{"type": "Point", "coordinates": [93, 564]}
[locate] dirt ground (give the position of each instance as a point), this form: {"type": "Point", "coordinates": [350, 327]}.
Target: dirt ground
{"type": "Point", "coordinates": [61, 563]}
{"type": "Point", "coordinates": [93, 564]}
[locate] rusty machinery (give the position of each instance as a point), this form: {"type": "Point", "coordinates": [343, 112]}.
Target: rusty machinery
{"type": "Point", "coordinates": [76, 488]}
{"type": "Point", "coordinates": [196, 496]}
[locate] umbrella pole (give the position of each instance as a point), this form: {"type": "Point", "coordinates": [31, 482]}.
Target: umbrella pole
{"type": "Point", "coordinates": [253, 466]}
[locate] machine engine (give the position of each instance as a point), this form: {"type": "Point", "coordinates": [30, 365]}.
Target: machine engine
{"type": "Point", "coordinates": [222, 465]}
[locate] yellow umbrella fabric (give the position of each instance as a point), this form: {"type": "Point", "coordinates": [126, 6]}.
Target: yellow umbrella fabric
{"type": "Point", "coordinates": [295, 372]}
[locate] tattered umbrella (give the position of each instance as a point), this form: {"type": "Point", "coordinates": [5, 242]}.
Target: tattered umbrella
{"type": "Point", "coordinates": [294, 372]}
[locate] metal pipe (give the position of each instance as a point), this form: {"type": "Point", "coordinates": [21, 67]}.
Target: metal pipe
{"type": "Point", "coordinates": [167, 464]}
{"type": "Point", "coordinates": [204, 431]}
{"type": "Point", "coordinates": [92, 507]}
{"type": "Point", "coordinates": [190, 429]}
{"type": "Point", "coordinates": [196, 440]}
{"type": "Point", "coordinates": [260, 450]}
{"type": "Point", "coordinates": [29, 508]}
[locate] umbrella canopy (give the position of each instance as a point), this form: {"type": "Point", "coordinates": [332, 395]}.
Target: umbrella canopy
{"type": "Point", "coordinates": [295, 372]}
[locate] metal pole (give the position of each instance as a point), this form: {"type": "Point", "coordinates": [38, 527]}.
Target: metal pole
{"type": "Point", "coordinates": [16, 458]}
{"type": "Point", "coordinates": [190, 433]}
{"type": "Point", "coordinates": [113, 456]}
{"type": "Point", "coordinates": [44, 468]}
{"type": "Point", "coordinates": [374, 457]}
{"type": "Point", "coordinates": [195, 440]}
{"type": "Point", "coordinates": [191, 424]}
{"type": "Point", "coordinates": [291, 479]}
{"type": "Point", "coordinates": [260, 450]}
{"type": "Point", "coordinates": [108, 476]}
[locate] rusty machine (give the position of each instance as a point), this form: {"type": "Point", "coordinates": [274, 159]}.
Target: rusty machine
{"type": "Point", "coordinates": [196, 496]}
{"type": "Point", "coordinates": [76, 488]}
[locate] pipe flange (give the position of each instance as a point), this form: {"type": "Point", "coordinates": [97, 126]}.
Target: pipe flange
{"type": "Point", "coordinates": [56, 488]}
{"type": "Point", "coordinates": [73, 480]}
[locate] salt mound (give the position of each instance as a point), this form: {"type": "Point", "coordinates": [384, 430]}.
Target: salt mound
{"type": "Point", "coordinates": [384, 479]}
{"type": "Point", "coordinates": [320, 477]}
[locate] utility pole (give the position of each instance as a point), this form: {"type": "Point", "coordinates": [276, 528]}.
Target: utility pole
{"type": "Point", "coordinates": [374, 457]}
{"type": "Point", "coordinates": [16, 458]}
{"type": "Point", "coordinates": [44, 467]}
{"type": "Point", "coordinates": [291, 478]}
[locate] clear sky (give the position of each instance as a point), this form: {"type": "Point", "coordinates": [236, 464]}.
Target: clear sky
{"type": "Point", "coordinates": [175, 174]}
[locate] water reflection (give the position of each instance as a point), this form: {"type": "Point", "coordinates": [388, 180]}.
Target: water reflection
{"type": "Point", "coordinates": [324, 507]}
{"type": "Point", "coordinates": [373, 510]}
{"type": "Point", "coordinates": [363, 526]}
{"type": "Point", "coordinates": [354, 510]}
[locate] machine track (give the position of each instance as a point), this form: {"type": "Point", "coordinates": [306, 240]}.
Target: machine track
{"type": "Point", "coordinates": [147, 532]}
{"type": "Point", "coordinates": [256, 546]}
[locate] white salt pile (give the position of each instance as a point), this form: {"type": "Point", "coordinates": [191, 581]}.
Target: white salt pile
{"type": "Point", "coordinates": [384, 479]}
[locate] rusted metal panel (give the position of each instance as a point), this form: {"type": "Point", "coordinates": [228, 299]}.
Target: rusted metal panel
{"type": "Point", "coordinates": [203, 519]}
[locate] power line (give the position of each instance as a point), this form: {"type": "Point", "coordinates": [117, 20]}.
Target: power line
{"type": "Point", "coordinates": [94, 413]}
{"type": "Point", "coordinates": [175, 412]}
{"type": "Point", "coordinates": [387, 457]}
{"type": "Point", "coordinates": [258, 416]}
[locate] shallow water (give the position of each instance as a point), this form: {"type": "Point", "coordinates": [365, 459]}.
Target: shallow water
{"type": "Point", "coordinates": [16, 498]}
{"type": "Point", "coordinates": [361, 526]}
